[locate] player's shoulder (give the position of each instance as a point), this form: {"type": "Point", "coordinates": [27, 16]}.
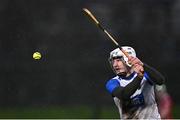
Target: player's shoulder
{"type": "Point", "coordinates": [147, 78]}
{"type": "Point", "coordinates": [146, 75]}
{"type": "Point", "coordinates": [112, 83]}
{"type": "Point", "coordinates": [116, 78]}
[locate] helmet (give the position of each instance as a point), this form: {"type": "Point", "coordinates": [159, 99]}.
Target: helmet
{"type": "Point", "coordinates": [117, 53]}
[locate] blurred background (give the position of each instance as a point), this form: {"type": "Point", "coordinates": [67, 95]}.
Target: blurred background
{"type": "Point", "coordinates": [69, 80]}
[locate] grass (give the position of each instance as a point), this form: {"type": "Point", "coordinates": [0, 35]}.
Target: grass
{"type": "Point", "coordinates": [64, 112]}
{"type": "Point", "coordinates": [46, 112]}
{"type": "Point", "coordinates": [176, 111]}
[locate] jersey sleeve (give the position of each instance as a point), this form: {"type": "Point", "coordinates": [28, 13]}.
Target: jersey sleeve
{"type": "Point", "coordinates": [148, 78]}
{"type": "Point", "coordinates": [111, 85]}
{"type": "Point", "coordinates": [155, 76]}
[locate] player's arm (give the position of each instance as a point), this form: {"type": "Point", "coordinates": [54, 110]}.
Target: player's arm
{"type": "Point", "coordinates": [117, 90]}
{"type": "Point", "coordinates": [154, 75]}
{"type": "Point", "coordinates": [127, 91]}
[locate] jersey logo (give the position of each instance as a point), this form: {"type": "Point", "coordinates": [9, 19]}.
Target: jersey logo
{"type": "Point", "coordinates": [137, 100]}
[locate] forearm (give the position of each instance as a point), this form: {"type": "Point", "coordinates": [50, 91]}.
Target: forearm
{"type": "Point", "coordinates": [155, 75]}
{"type": "Point", "coordinates": [126, 92]}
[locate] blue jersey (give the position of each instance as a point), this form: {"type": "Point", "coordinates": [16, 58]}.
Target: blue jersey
{"type": "Point", "coordinates": [140, 99]}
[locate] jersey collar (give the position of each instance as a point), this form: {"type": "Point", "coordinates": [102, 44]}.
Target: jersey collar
{"type": "Point", "coordinates": [128, 77]}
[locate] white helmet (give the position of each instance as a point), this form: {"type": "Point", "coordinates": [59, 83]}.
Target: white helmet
{"type": "Point", "coordinates": [118, 53]}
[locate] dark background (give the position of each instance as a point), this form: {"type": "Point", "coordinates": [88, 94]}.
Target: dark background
{"type": "Point", "coordinates": [74, 66]}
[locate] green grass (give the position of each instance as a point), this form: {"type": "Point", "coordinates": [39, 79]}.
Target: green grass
{"type": "Point", "coordinates": [50, 112]}
{"type": "Point", "coordinates": [64, 112]}
{"type": "Point", "coordinates": [176, 111]}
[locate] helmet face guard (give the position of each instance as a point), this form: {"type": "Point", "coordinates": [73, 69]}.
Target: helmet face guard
{"type": "Point", "coordinates": [117, 53]}
{"type": "Point", "coordinates": [111, 62]}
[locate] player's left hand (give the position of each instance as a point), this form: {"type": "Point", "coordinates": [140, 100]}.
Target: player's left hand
{"type": "Point", "coordinates": [137, 65]}
{"type": "Point", "coordinates": [135, 60]}
{"type": "Point", "coordinates": [138, 69]}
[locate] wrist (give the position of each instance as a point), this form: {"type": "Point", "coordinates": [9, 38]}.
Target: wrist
{"type": "Point", "coordinates": [140, 75]}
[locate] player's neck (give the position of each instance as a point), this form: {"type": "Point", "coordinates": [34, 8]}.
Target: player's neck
{"type": "Point", "coordinates": [127, 76]}
{"type": "Point", "coordinates": [129, 73]}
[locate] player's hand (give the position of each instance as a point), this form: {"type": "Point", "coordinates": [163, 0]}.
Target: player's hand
{"type": "Point", "coordinates": [137, 65]}
{"type": "Point", "coordinates": [134, 60]}
{"type": "Point", "coordinates": [138, 69]}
